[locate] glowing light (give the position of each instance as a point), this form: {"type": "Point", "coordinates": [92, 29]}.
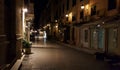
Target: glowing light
{"type": "Point", "coordinates": [48, 24]}
{"type": "Point", "coordinates": [82, 7]}
{"type": "Point", "coordinates": [87, 6]}
{"type": "Point", "coordinates": [26, 26]}
{"type": "Point", "coordinates": [70, 17]}
{"type": "Point", "coordinates": [45, 34]}
{"type": "Point", "coordinates": [35, 31]}
{"type": "Point", "coordinates": [25, 10]}
{"type": "Point", "coordinates": [98, 25]}
{"type": "Point", "coordinates": [23, 20]}
{"type": "Point", "coordinates": [55, 20]}
{"type": "Point", "coordinates": [56, 26]}
{"type": "Point", "coordinates": [103, 22]}
{"type": "Point", "coordinates": [66, 15]}
{"type": "Point", "coordinates": [70, 14]}
{"type": "Point", "coordinates": [31, 30]}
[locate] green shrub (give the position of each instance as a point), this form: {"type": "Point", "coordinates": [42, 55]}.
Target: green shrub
{"type": "Point", "coordinates": [26, 44]}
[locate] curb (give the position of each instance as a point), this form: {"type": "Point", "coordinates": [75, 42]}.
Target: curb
{"type": "Point", "coordinates": [17, 64]}
{"type": "Point", "coordinates": [77, 48]}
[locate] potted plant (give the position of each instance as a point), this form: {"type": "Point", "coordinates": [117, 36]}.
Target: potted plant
{"type": "Point", "coordinates": [26, 46]}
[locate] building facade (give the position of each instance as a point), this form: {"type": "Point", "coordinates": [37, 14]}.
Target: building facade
{"type": "Point", "coordinates": [29, 18]}
{"type": "Point", "coordinates": [10, 32]}
{"type": "Point", "coordinates": [89, 24]}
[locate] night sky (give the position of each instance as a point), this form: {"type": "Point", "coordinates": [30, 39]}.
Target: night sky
{"type": "Point", "coordinates": [39, 5]}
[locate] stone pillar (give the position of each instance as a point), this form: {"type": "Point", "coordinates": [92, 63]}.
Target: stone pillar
{"type": "Point", "coordinates": [19, 7]}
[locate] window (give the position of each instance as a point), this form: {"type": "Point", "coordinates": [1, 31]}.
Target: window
{"type": "Point", "coordinates": [60, 11]}
{"type": "Point", "coordinates": [56, 1]}
{"type": "Point", "coordinates": [82, 14]}
{"type": "Point", "coordinates": [115, 39]}
{"type": "Point", "coordinates": [86, 36]}
{"type": "Point", "coordinates": [26, 2]}
{"type": "Point", "coordinates": [73, 18]}
{"type": "Point", "coordinates": [7, 3]}
{"type": "Point", "coordinates": [81, 0]}
{"type": "Point", "coordinates": [66, 18]}
{"type": "Point", "coordinates": [67, 5]}
{"type": "Point", "coordinates": [73, 2]}
{"type": "Point", "coordinates": [56, 15]}
{"type": "Point", "coordinates": [63, 8]}
{"type": "Point", "coordinates": [31, 1]}
{"type": "Point", "coordinates": [93, 10]}
{"type": "Point", "coordinates": [112, 4]}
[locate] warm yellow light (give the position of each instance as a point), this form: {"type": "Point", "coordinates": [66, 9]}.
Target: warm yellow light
{"type": "Point", "coordinates": [70, 17]}
{"type": "Point", "coordinates": [70, 14]}
{"type": "Point", "coordinates": [56, 26]}
{"type": "Point", "coordinates": [87, 6]}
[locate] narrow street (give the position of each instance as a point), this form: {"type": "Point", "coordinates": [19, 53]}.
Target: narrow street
{"type": "Point", "coordinates": [59, 34]}
{"type": "Point", "coordinates": [47, 55]}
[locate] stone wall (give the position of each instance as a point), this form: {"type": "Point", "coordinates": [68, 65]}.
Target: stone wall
{"type": "Point", "coordinates": [3, 40]}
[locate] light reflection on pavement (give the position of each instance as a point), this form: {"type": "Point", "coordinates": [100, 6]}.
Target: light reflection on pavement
{"type": "Point", "coordinates": [48, 55]}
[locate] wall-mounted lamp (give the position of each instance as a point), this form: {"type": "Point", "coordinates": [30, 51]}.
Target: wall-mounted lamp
{"type": "Point", "coordinates": [82, 7]}
{"type": "Point", "coordinates": [66, 15]}
{"type": "Point", "coordinates": [25, 10]}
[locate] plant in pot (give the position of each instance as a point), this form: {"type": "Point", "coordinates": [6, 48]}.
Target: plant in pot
{"type": "Point", "coordinates": [26, 46]}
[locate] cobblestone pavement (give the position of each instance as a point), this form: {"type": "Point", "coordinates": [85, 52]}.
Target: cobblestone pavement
{"type": "Point", "coordinates": [51, 56]}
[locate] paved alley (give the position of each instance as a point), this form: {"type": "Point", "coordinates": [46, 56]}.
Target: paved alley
{"type": "Point", "coordinates": [51, 56]}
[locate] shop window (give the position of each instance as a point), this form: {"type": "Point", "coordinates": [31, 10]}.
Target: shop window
{"type": "Point", "coordinates": [86, 36]}
{"type": "Point", "coordinates": [112, 4]}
